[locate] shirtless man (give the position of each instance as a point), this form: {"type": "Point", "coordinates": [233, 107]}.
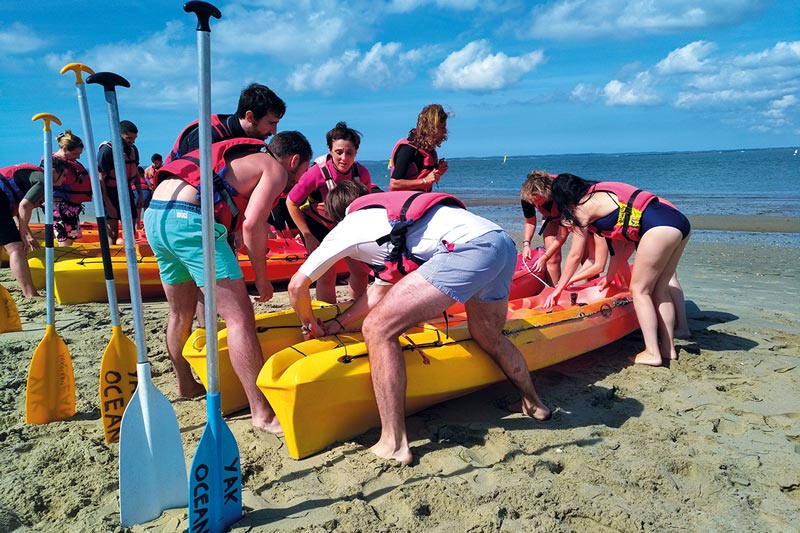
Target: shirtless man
{"type": "Point", "coordinates": [174, 230]}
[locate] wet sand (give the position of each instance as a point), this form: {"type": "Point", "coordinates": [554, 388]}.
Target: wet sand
{"type": "Point", "coordinates": [710, 443]}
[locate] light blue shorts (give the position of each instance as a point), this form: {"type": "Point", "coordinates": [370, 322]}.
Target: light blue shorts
{"type": "Point", "coordinates": [175, 233]}
{"type": "Point", "coordinates": [481, 268]}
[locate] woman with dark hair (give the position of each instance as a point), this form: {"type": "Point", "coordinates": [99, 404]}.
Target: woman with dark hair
{"type": "Point", "coordinates": [634, 217]}
{"type": "Point", "coordinates": [306, 203]}
{"type": "Point", "coordinates": [415, 164]}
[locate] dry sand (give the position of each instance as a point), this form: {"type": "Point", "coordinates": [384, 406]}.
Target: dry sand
{"type": "Point", "coordinates": [711, 443]}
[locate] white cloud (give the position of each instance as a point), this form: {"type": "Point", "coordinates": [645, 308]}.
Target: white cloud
{"type": "Point", "coordinates": [18, 39]}
{"type": "Point", "coordinates": [474, 67]}
{"type": "Point", "coordinates": [620, 19]}
{"type": "Point", "coordinates": [786, 54]}
{"type": "Point", "coordinates": [406, 6]}
{"type": "Point", "coordinates": [156, 66]}
{"type": "Point", "coordinates": [380, 66]}
{"type": "Point", "coordinates": [689, 58]}
{"type": "Point", "coordinates": [584, 92]}
{"type": "Point", "coordinates": [639, 92]}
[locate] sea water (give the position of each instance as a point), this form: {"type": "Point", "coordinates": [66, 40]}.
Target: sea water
{"type": "Point", "coordinates": [732, 182]}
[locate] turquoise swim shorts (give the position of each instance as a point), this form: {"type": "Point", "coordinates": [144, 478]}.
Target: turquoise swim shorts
{"type": "Point", "coordinates": [174, 232]}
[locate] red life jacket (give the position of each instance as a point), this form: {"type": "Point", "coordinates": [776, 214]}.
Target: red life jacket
{"type": "Point", "coordinates": [430, 159]}
{"type": "Point", "coordinates": [228, 203]}
{"type": "Point", "coordinates": [403, 209]}
{"type": "Point", "coordinates": [632, 203]}
{"type": "Point", "coordinates": [219, 132]}
{"type": "Point", "coordinates": [131, 166]}
{"type": "Point", "coordinates": [9, 186]}
{"type": "Point", "coordinates": [76, 188]}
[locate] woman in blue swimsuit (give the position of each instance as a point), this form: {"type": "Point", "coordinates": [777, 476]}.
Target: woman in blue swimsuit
{"type": "Point", "coordinates": [660, 236]}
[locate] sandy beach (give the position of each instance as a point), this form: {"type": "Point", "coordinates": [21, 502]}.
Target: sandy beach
{"type": "Point", "coordinates": [711, 443]}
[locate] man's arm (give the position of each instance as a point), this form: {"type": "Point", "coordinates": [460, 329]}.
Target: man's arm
{"type": "Point", "coordinates": [23, 218]}
{"type": "Point", "coordinates": [272, 181]}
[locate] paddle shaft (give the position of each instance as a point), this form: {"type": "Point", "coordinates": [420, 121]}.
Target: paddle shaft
{"type": "Point", "coordinates": [97, 191]}
{"type": "Point", "coordinates": [48, 219]}
{"type": "Point", "coordinates": [207, 210]}
{"type": "Point", "coordinates": [109, 82]}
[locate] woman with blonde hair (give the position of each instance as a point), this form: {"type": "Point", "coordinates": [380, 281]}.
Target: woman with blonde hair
{"type": "Point", "coordinates": [70, 195]}
{"type": "Point", "coordinates": [415, 164]}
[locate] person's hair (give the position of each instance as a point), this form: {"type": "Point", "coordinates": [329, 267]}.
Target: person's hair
{"type": "Point", "coordinates": [568, 189]}
{"type": "Point", "coordinates": [260, 100]}
{"type": "Point", "coordinates": [156, 157]}
{"type": "Point", "coordinates": [341, 196]}
{"type": "Point", "coordinates": [538, 183]}
{"type": "Point", "coordinates": [342, 132]}
{"type": "Point", "coordinates": [289, 143]}
{"type": "Point", "coordinates": [425, 134]}
{"type": "Point", "coordinates": [126, 126]}
{"type": "Point", "coordinates": [69, 141]}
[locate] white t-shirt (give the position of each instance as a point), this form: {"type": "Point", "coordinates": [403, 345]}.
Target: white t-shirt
{"type": "Point", "coordinates": [355, 236]}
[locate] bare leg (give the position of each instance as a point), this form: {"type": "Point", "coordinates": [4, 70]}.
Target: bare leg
{"type": "Point", "coordinates": [486, 320]}
{"type": "Point", "coordinates": [682, 330]}
{"type": "Point", "coordinates": [234, 306]}
{"type": "Point", "coordinates": [181, 298]}
{"type": "Point", "coordinates": [653, 258]}
{"type": "Point", "coordinates": [112, 226]}
{"type": "Point", "coordinates": [325, 287]}
{"type": "Point", "coordinates": [409, 302]}
{"type": "Point", "coordinates": [18, 261]}
{"type": "Point", "coordinates": [358, 278]}
{"type": "Point", "coordinates": [554, 263]}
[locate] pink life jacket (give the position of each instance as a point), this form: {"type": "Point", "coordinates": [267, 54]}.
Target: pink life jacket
{"type": "Point", "coordinates": [219, 132]}
{"type": "Point", "coordinates": [430, 159]}
{"type": "Point", "coordinates": [228, 203]}
{"type": "Point", "coordinates": [10, 187]}
{"type": "Point", "coordinates": [403, 209]}
{"type": "Point", "coordinates": [632, 203]}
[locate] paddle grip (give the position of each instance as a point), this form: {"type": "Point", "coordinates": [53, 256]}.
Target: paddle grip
{"type": "Point", "coordinates": [204, 12]}
{"type": "Point", "coordinates": [108, 80]}
{"type": "Point", "coordinates": [77, 68]}
{"type": "Point", "coordinates": [47, 117]}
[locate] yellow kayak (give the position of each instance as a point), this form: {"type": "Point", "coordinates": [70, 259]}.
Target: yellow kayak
{"type": "Point", "coordinates": [322, 392]}
{"type": "Point", "coordinates": [280, 329]}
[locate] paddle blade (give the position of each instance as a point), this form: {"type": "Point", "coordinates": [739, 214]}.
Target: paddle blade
{"type": "Point", "coordinates": [50, 393]}
{"type": "Point", "coordinates": [152, 468]}
{"type": "Point", "coordinates": [9, 316]}
{"type": "Point", "coordinates": [215, 482]}
{"type": "Point", "coordinates": [117, 381]}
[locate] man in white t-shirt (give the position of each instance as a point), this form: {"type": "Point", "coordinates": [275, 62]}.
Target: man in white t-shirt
{"type": "Point", "coordinates": [467, 259]}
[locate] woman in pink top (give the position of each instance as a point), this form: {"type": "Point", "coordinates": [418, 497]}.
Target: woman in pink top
{"type": "Point", "coordinates": [306, 204]}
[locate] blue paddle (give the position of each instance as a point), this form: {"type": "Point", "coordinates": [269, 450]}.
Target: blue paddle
{"type": "Point", "coordinates": [152, 467]}
{"type": "Point", "coordinates": [215, 482]}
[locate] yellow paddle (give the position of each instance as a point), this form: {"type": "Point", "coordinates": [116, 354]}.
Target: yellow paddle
{"type": "Point", "coordinates": [9, 316]}
{"type": "Point", "coordinates": [50, 393]}
{"type": "Point", "coordinates": [118, 367]}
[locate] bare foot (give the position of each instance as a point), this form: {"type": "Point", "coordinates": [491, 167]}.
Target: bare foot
{"type": "Point", "coordinates": [645, 358]}
{"type": "Point", "coordinates": [33, 294]}
{"type": "Point", "coordinates": [540, 413]}
{"type": "Point", "coordinates": [191, 390]}
{"type": "Point", "coordinates": [269, 424]}
{"type": "Point", "coordinates": [401, 455]}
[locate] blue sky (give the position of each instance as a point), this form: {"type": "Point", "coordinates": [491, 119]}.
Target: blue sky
{"type": "Point", "coordinates": [520, 77]}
